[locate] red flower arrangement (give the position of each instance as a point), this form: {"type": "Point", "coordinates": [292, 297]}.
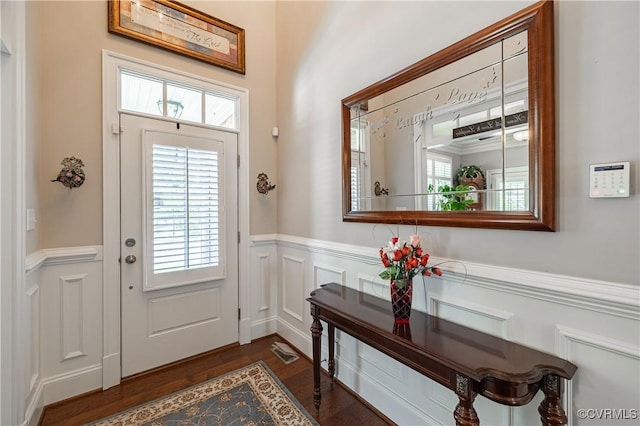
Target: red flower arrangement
{"type": "Point", "coordinates": [403, 261]}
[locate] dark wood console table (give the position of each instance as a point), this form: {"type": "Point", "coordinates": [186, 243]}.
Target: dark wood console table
{"type": "Point", "coordinates": [464, 360]}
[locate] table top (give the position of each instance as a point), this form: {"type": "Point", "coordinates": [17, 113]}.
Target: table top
{"type": "Point", "coordinates": [470, 352]}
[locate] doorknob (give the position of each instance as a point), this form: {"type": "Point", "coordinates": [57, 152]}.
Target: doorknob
{"type": "Point", "coordinates": [130, 259]}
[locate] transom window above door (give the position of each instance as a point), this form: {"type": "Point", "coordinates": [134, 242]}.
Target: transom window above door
{"type": "Point", "coordinates": [163, 98]}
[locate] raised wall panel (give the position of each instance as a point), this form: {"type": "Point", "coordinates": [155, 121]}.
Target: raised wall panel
{"type": "Point", "coordinates": [183, 310]}
{"type": "Point", "coordinates": [262, 295]}
{"type": "Point", "coordinates": [386, 369]}
{"type": "Point", "coordinates": [324, 274]}
{"type": "Point", "coordinates": [33, 353]}
{"type": "Point", "coordinates": [373, 285]}
{"type": "Point", "coordinates": [263, 282]}
{"type": "Point", "coordinates": [293, 286]}
{"type": "Point", "coordinates": [484, 318]}
{"type": "Point", "coordinates": [72, 316]}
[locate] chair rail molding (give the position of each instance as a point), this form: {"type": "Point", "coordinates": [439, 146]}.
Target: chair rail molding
{"type": "Point", "coordinates": [601, 296]}
{"type": "Point", "coordinates": [62, 256]}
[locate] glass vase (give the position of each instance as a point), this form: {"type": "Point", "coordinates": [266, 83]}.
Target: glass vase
{"type": "Point", "coordinates": [401, 295]}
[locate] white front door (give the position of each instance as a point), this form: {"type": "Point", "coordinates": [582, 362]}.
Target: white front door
{"type": "Point", "coordinates": [179, 246]}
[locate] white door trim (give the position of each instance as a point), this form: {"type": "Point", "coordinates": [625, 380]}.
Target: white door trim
{"type": "Point", "coordinates": [111, 62]}
{"type": "Point", "coordinates": [16, 328]}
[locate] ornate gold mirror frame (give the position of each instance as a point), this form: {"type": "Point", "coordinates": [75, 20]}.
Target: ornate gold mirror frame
{"type": "Point", "coordinates": [534, 26]}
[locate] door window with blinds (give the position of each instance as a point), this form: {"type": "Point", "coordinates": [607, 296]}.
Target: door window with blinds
{"type": "Point", "coordinates": [183, 210]}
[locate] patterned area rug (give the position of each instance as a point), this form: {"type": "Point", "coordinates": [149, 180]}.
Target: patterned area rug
{"type": "Point", "coordinates": [250, 396]}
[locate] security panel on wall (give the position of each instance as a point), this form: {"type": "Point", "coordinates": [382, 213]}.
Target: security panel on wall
{"type": "Point", "coordinates": [610, 180]}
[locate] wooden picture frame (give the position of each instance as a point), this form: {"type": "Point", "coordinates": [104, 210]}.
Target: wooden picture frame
{"type": "Point", "coordinates": [181, 29]}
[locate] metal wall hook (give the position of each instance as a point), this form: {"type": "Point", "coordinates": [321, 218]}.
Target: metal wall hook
{"type": "Point", "coordinates": [263, 185]}
{"type": "Point", "coordinates": [71, 175]}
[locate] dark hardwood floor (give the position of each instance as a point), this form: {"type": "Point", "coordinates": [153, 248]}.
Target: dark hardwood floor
{"type": "Point", "coordinates": [339, 406]}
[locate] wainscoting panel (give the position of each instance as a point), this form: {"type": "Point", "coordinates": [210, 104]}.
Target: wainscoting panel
{"type": "Point", "coordinates": [323, 274]}
{"type": "Point", "coordinates": [594, 324]}
{"type": "Point", "coordinates": [293, 287]}
{"type": "Point", "coordinates": [294, 283]}
{"type": "Point", "coordinates": [70, 322]}
{"type": "Point", "coordinates": [33, 352]}
{"type": "Point", "coordinates": [263, 286]}
{"type": "Point", "coordinates": [613, 365]}
{"type": "Point", "coordinates": [31, 329]}
{"type": "Point", "coordinates": [523, 306]}
{"type": "Point", "coordinates": [483, 318]}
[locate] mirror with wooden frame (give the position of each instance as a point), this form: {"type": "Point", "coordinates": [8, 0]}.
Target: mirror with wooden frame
{"type": "Point", "coordinates": [464, 137]}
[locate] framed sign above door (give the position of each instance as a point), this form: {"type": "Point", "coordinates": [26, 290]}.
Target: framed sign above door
{"type": "Point", "coordinates": [179, 28]}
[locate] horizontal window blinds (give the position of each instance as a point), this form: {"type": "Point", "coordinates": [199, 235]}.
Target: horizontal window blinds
{"type": "Point", "coordinates": [186, 208]}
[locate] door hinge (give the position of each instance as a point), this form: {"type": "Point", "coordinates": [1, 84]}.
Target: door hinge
{"type": "Point", "coordinates": [238, 161]}
{"type": "Point", "coordinates": [239, 314]}
{"type": "Point", "coordinates": [238, 237]}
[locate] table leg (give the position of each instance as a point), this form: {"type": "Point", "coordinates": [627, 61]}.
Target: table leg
{"type": "Point", "coordinates": [550, 409]}
{"type": "Point", "coordinates": [332, 362]}
{"type": "Point", "coordinates": [464, 413]}
{"type": "Point", "coordinates": [316, 333]}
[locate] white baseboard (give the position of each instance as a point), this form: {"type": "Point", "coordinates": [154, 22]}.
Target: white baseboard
{"type": "Point", "coordinates": [71, 384]}
{"type": "Point", "coordinates": [35, 406]}
{"type": "Point", "coordinates": [110, 370]}
{"type": "Point", "coordinates": [293, 335]}
{"type": "Point", "coordinates": [245, 331]}
{"type": "Point", "coordinates": [263, 327]}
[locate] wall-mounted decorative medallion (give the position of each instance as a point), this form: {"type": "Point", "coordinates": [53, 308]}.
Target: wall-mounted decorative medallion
{"type": "Point", "coordinates": [71, 175]}
{"type": "Point", "coordinates": [264, 186]}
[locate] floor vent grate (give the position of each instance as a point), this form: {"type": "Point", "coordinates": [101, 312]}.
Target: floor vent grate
{"type": "Point", "coordinates": [285, 352]}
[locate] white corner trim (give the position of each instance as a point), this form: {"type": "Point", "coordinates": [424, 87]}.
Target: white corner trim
{"type": "Point", "coordinates": [62, 255]}
{"type": "Point", "coordinates": [263, 239]}
{"type": "Point", "coordinates": [34, 261]}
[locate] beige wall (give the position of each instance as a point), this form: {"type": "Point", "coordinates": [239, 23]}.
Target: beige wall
{"type": "Point", "coordinates": [329, 50]}
{"type": "Point", "coordinates": [65, 80]}
{"type": "Point", "coordinates": [325, 52]}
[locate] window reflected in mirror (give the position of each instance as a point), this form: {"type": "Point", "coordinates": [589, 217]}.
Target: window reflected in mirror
{"type": "Point", "coordinates": [418, 138]}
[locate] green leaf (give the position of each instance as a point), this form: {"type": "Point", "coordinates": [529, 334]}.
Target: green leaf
{"type": "Point", "coordinates": [385, 275]}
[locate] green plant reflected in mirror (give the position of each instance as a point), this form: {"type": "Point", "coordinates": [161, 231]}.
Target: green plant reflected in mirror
{"type": "Point", "coordinates": [464, 137]}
